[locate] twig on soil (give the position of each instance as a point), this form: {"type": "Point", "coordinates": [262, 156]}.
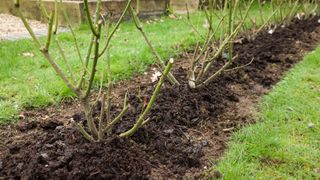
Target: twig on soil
{"type": "Point", "coordinates": [228, 129]}
{"type": "Point", "coordinates": [240, 67]}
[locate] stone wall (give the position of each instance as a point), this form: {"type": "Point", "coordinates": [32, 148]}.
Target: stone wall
{"type": "Point", "coordinates": [114, 8]}
{"type": "Point", "coordinates": [31, 10]}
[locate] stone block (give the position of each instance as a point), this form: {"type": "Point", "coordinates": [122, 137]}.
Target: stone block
{"type": "Point", "coordinates": [183, 6]}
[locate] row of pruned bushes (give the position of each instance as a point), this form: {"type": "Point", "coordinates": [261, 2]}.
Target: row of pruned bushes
{"type": "Point", "coordinates": [215, 45]}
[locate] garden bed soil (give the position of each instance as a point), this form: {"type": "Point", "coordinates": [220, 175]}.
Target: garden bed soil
{"type": "Point", "coordinates": [188, 131]}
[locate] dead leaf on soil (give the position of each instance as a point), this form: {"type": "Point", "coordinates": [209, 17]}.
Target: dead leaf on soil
{"type": "Point", "coordinates": [28, 54]}
{"type": "Point", "coordinates": [155, 76]}
{"type": "Point", "coordinates": [172, 16]}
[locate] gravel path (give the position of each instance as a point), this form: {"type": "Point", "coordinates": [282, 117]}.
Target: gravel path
{"type": "Point", "coordinates": [12, 28]}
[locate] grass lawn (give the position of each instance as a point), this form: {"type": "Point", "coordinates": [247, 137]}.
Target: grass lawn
{"type": "Point", "coordinates": [286, 143]}
{"type": "Point", "coordinates": [28, 82]}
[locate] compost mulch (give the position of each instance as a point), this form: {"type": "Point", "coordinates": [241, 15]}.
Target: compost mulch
{"type": "Point", "coordinates": [188, 129]}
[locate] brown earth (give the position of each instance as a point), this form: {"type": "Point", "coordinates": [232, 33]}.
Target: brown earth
{"type": "Point", "coordinates": [188, 130]}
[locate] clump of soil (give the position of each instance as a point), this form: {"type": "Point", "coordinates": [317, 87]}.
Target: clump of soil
{"type": "Point", "coordinates": [187, 127]}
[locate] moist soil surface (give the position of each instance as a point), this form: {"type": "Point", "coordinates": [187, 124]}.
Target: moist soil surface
{"type": "Point", "coordinates": [188, 129]}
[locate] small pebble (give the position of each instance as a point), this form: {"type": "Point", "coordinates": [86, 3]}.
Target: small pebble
{"type": "Point", "coordinates": [60, 143]}
{"type": "Point", "coordinates": [19, 166]}
{"type": "Point", "coordinates": [49, 145]}
{"type": "Point", "coordinates": [59, 128]}
{"type": "Point", "coordinates": [270, 31]}
{"type": "Point", "coordinates": [44, 155]}
{"type": "Point", "coordinates": [168, 131]}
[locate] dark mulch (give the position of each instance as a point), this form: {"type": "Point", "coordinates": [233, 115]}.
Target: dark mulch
{"type": "Point", "coordinates": [187, 129]}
